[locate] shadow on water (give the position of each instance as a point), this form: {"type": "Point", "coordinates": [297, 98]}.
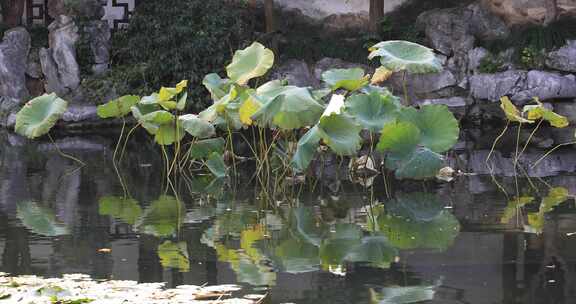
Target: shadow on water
{"type": "Point", "coordinates": [459, 242]}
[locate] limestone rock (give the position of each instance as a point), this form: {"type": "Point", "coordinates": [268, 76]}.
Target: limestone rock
{"type": "Point", "coordinates": [296, 72]}
{"type": "Point", "coordinates": [563, 59]}
{"type": "Point", "coordinates": [547, 86]}
{"type": "Point", "coordinates": [14, 51]}
{"type": "Point", "coordinates": [346, 22]}
{"type": "Point", "coordinates": [475, 57]}
{"type": "Point", "coordinates": [493, 86]}
{"type": "Point", "coordinates": [59, 64]}
{"type": "Point", "coordinates": [519, 12]}
{"type": "Point", "coordinates": [90, 9]}
{"type": "Point", "coordinates": [99, 35]}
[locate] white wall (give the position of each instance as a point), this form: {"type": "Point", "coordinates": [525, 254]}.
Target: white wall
{"type": "Point", "coordinates": [322, 8]}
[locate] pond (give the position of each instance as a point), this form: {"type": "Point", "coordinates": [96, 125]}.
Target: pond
{"type": "Point", "coordinates": [459, 242]}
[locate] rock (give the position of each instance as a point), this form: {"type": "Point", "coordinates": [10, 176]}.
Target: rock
{"type": "Point", "coordinates": [326, 64]}
{"type": "Point", "coordinates": [296, 72]}
{"type": "Point", "coordinates": [59, 64]}
{"type": "Point", "coordinates": [424, 86]}
{"type": "Point", "coordinates": [99, 34]}
{"type": "Point", "coordinates": [338, 23]}
{"type": "Point", "coordinates": [567, 109]}
{"type": "Point", "coordinates": [87, 9]}
{"type": "Point", "coordinates": [493, 86]}
{"type": "Point", "coordinates": [546, 85]}
{"type": "Point", "coordinates": [563, 59]}
{"type": "Point", "coordinates": [14, 51]}
{"type": "Point", "coordinates": [80, 113]}
{"type": "Point", "coordinates": [475, 57]}
{"type": "Point", "coordinates": [485, 25]}
{"type": "Point", "coordinates": [457, 105]}
{"type": "Point", "coordinates": [521, 12]}
{"type": "Point", "coordinates": [33, 67]}
{"type": "Point", "coordinates": [560, 161]}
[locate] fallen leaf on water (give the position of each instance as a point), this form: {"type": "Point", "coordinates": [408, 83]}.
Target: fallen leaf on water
{"type": "Point", "coordinates": [104, 250]}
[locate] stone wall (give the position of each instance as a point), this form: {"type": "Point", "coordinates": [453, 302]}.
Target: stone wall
{"type": "Point", "coordinates": [319, 9]}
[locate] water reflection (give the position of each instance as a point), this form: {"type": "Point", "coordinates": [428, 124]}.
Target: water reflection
{"type": "Point", "coordinates": [463, 242]}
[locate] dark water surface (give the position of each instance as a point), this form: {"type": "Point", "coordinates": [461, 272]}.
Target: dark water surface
{"type": "Point", "coordinates": [443, 243]}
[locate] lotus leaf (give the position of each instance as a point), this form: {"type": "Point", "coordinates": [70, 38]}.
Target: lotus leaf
{"type": "Point", "coordinates": [125, 209]}
{"type": "Point", "coordinates": [217, 86]}
{"type": "Point", "coordinates": [250, 105]}
{"type": "Point", "coordinates": [169, 134]}
{"type": "Point", "coordinates": [373, 250]}
{"type": "Point", "coordinates": [340, 133]}
{"type": "Point", "coordinates": [513, 207]}
{"type": "Point", "coordinates": [162, 218]}
{"type": "Point", "coordinates": [380, 75]}
{"type": "Point", "coordinates": [119, 107]}
{"type": "Point", "coordinates": [419, 206]}
{"type": "Point", "coordinates": [306, 149]}
{"type": "Point", "coordinates": [216, 165]}
{"type": "Point", "coordinates": [158, 117]}
{"type": "Point", "coordinates": [39, 220]}
{"type": "Point", "coordinates": [139, 110]}
{"type": "Point", "coordinates": [181, 105]}
{"type": "Point", "coordinates": [196, 127]}
{"type": "Point", "coordinates": [422, 163]}
{"type": "Point", "coordinates": [348, 79]}
{"type": "Point", "coordinates": [373, 110]}
{"type": "Point", "coordinates": [203, 148]}
{"type": "Point", "coordinates": [438, 128]}
{"type": "Point", "coordinates": [397, 55]}
{"type": "Point", "coordinates": [295, 256]}
{"type": "Point", "coordinates": [399, 138]}
{"type": "Point", "coordinates": [249, 63]}
{"type": "Point", "coordinates": [511, 112]}
{"type": "Point", "coordinates": [555, 197]}
{"type": "Point", "coordinates": [337, 245]}
{"type": "Point", "coordinates": [39, 115]}
{"type": "Point", "coordinates": [174, 255]}
{"type": "Point", "coordinates": [539, 111]}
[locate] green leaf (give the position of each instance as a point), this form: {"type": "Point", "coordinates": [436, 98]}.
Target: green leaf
{"type": "Point", "coordinates": [119, 107]}
{"type": "Point", "coordinates": [397, 55]}
{"type": "Point", "coordinates": [216, 165]}
{"type": "Point", "coordinates": [174, 255]}
{"type": "Point", "coordinates": [39, 115]}
{"type": "Point", "coordinates": [399, 138]}
{"type": "Point", "coordinates": [140, 110]}
{"type": "Point", "coordinates": [341, 240]}
{"type": "Point", "coordinates": [217, 86]}
{"type": "Point", "coordinates": [348, 79]}
{"type": "Point", "coordinates": [419, 206]}
{"type": "Point", "coordinates": [307, 146]}
{"type": "Point", "coordinates": [249, 63]}
{"type": "Point", "coordinates": [439, 129]}
{"type": "Point", "coordinates": [196, 126]}
{"type": "Point", "coordinates": [511, 112]}
{"type": "Point", "coordinates": [293, 108]}
{"type": "Point", "coordinates": [203, 148]}
{"type": "Point", "coordinates": [150, 100]}
{"type": "Point", "coordinates": [422, 163]}
{"type": "Point", "coordinates": [162, 218]}
{"type": "Point", "coordinates": [169, 134]}
{"type": "Point", "coordinates": [555, 197]}
{"type": "Point", "coordinates": [340, 133]}
{"type": "Point", "coordinates": [374, 250]}
{"type": "Point", "coordinates": [538, 111]}
{"type": "Point", "coordinates": [125, 209]}
{"type": "Point", "coordinates": [249, 107]}
{"type": "Point", "coordinates": [373, 111]}
{"type": "Point", "coordinates": [157, 117]}
{"type": "Point", "coordinates": [514, 206]}
{"type": "Point", "coordinates": [39, 220]}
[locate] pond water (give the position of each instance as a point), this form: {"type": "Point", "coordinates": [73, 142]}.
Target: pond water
{"type": "Point", "coordinates": [459, 242]}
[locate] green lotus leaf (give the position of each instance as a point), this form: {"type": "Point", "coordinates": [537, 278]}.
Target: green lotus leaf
{"type": "Point", "coordinates": [39, 220]}
{"type": "Point", "coordinates": [539, 111]}
{"type": "Point", "coordinates": [514, 206]}
{"type": "Point", "coordinates": [39, 115]}
{"type": "Point", "coordinates": [398, 55]}
{"type": "Point", "coordinates": [174, 255]}
{"type": "Point", "coordinates": [251, 62]}
{"type": "Point", "coordinates": [555, 197]}
{"type": "Point", "coordinates": [419, 206]}
{"type": "Point", "coordinates": [203, 148]}
{"type": "Point", "coordinates": [374, 110]}
{"type": "Point", "coordinates": [348, 79]}
{"type": "Point", "coordinates": [307, 146]}
{"type": "Point", "coordinates": [321, 93]}
{"type": "Point", "coordinates": [422, 163]}
{"type": "Point", "coordinates": [341, 133]}
{"type": "Point", "coordinates": [169, 134]}
{"type": "Point", "coordinates": [181, 105]}
{"type": "Point", "coordinates": [294, 108]}
{"type": "Point", "coordinates": [150, 100]}
{"type": "Point", "coordinates": [196, 126]}
{"type": "Point", "coordinates": [118, 107]}
{"type": "Point", "coordinates": [399, 137]}
{"type": "Point", "coordinates": [338, 244]}
{"type": "Point", "coordinates": [403, 295]}
{"type": "Point", "coordinates": [139, 110]}
{"type": "Point", "coordinates": [373, 250]}
{"type": "Point", "coordinates": [125, 209]}
{"type": "Point", "coordinates": [512, 113]}
{"type": "Point", "coordinates": [216, 165]}
{"type": "Point", "coordinates": [272, 89]}
{"type": "Point", "coordinates": [295, 256]}
{"type": "Point", "coordinates": [306, 226]}
{"type": "Point", "coordinates": [162, 218]}
{"type": "Point", "coordinates": [158, 117]}
{"type": "Point", "coordinates": [217, 86]}
{"type": "Point", "coordinates": [407, 233]}
{"type": "Point", "coordinates": [439, 129]}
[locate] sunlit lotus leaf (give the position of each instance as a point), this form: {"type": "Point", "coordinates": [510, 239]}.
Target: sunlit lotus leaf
{"type": "Point", "coordinates": [249, 107]}
{"type": "Point", "coordinates": [182, 100]}
{"type": "Point", "coordinates": [399, 137]}
{"type": "Point", "coordinates": [158, 117]}
{"type": "Point", "coordinates": [349, 79]}
{"type": "Point", "coordinates": [535, 222]}
{"type": "Point", "coordinates": [162, 218]}
{"type": "Point", "coordinates": [272, 89]}
{"type": "Point", "coordinates": [123, 208]}
{"type": "Point", "coordinates": [166, 94]}
{"type": "Point", "coordinates": [339, 243]}
{"type": "Point", "coordinates": [203, 148]}
{"type": "Point", "coordinates": [216, 165]}
{"type": "Point", "coordinates": [40, 220]}
{"type": "Point", "coordinates": [373, 111]}
{"type": "Point", "coordinates": [196, 127]}
{"type": "Point", "coordinates": [539, 111]}
{"type": "Point", "coordinates": [513, 207]}
{"type": "Point", "coordinates": [39, 115]}
{"type": "Point", "coordinates": [439, 129]}
{"type": "Point", "coordinates": [217, 86]}
{"type": "Point", "coordinates": [341, 133]}
{"type": "Point", "coordinates": [174, 255]}
{"type": "Point", "coordinates": [169, 134]}
{"type": "Point", "coordinates": [118, 107]}
{"type": "Point", "coordinates": [422, 163]}
{"type": "Point", "coordinates": [294, 108]}
{"type": "Point", "coordinates": [380, 75]}
{"type": "Point", "coordinates": [375, 251]}
{"type": "Point", "coordinates": [402, 295]}
{"type": "Point", "coordinates": [512, 113]}
{"type": "Point", "coordinates": [251, 62]}
{"type": "Point", "coordinates": [408, 233]}
{"type": "Point", "coordinates": [181, 86]}
{"type": "Point", "coordinates": [321, 93]}
{"type": "Point", "coordinates": [139, 111]}
{"type": "Point", "coordinates": [150, 100]}
{"type": "Point", "coordinates": [307, 146]}
{"type": "Point", "coordinates": [555, 197]}
{"type": "Point", "coordinates": [397, 55]}
{"type": "Point", "coordinates": [419, 206]}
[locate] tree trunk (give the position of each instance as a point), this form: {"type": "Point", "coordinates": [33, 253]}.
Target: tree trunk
{"type": "Point", "coordinates": [551, 11]}
{"type": "Point", "coordinates": [12, 11]}
{"type": "Point", "coordinates": [269, 10]}
{"type": "Point", "coordinates": [376, 14]}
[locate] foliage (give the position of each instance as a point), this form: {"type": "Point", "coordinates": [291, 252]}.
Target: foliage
{"type": "Point", "coordinates": [39, 219]}
{"type": "Point", "coordinates": [171, 40]}
{"type": "Point", "coordinates": [491, 64]}
{"type": "Point", "coordinates": [398, 55]}
{"type": "Point", "coordinates": [39, 115]}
